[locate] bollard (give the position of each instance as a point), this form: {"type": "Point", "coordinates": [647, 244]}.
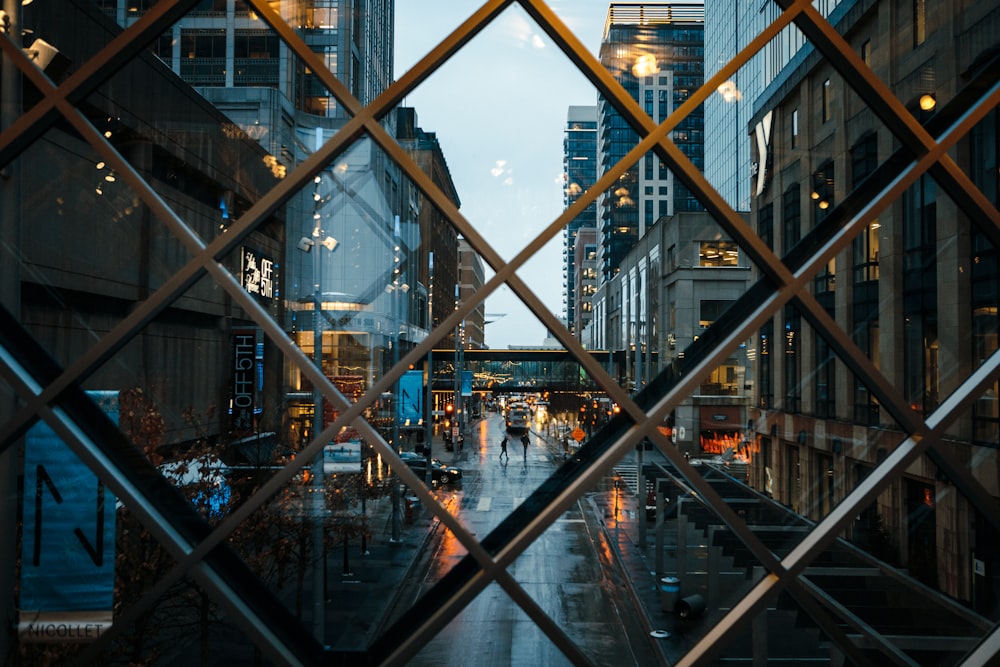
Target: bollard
{"type": "Point", "coordinates": [691, 606]}
{"type": "Point", "coordinates": [670, 592]}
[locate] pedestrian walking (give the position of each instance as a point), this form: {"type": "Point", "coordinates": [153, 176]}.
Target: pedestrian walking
{"type": "Point", "coordinates": [524, 441]}
{"type": "Point", "coordinates": [503, 448]}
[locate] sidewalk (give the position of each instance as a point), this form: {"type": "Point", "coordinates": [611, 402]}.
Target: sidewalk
{"type": "Point", "coordinates": [359, 603]}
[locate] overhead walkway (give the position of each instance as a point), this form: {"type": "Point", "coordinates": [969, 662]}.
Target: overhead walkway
{"type": "Point", "coordinates": [510, 371]}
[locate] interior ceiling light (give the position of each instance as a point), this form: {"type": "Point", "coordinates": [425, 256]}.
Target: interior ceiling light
{"type": "Point", "coordinates": [927, 102]}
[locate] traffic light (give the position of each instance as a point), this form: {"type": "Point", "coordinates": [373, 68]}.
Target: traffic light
{"type": "Point", "coordinates": [449, 409]}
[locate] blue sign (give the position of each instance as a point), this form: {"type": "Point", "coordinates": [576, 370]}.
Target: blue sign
{"type": "Point", "coordinates": [68, 555]}
{"type": "Point", "coordinates": [410, 406]}
{"type": "Point", "coordinates": [466, 383]}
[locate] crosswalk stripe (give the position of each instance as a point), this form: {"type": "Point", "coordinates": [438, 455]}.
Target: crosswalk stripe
{"type": "Point", "coordinates": [484, 505]}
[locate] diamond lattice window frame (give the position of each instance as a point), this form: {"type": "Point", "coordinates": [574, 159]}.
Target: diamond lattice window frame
{"type": "Point", "coordinates": [52, 394]}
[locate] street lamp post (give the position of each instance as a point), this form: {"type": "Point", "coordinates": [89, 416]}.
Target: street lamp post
{"type": "Point", "coordinates": [319, 572]}
{"type": "Point", "coordinates": [318, 495]}
{"type": "Point", "coordinates": [396, 288]}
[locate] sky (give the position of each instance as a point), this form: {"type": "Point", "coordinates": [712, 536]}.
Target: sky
{"type": "Point", "coordinates": [498, 109]}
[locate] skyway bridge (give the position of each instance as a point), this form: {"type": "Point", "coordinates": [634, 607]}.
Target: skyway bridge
{"type": "Point", "coordinates": [522, 371]}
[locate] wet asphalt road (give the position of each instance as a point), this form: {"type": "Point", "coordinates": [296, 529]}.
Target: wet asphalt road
{"type": "Point", "coordinates": [568, 571]}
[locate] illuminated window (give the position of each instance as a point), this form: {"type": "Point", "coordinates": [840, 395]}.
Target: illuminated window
{"type": "Point", "coordinates": [719, 253]}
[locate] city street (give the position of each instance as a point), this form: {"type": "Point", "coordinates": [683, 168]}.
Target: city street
{"type": "Point", "coordinates": [569, 571]}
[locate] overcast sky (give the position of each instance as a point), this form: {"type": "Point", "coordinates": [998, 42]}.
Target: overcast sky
{"type": "Point", "coordinates": [499, 110]}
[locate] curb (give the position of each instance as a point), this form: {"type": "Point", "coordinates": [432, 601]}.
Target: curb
{"type": "Point", "coordinates": [378, 627]}
{"type": "Point", "coordinates": [633, 594]}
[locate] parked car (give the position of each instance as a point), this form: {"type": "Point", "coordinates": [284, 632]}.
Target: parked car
{"type": "Point", "coordinates": [440, 472]}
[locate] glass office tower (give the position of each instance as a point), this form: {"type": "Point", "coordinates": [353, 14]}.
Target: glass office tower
{"type": "Point", "coordinates": [656, 52]}
{"type": "Point", "coordinates": [580, 169]}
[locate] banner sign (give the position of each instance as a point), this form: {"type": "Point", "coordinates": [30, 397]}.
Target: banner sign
{"type": "Point", "coordinates": [68, 547]}
{"type": "Point", "coordinates": [257, 274]}
{"type": "Point", "coordinates": [466, 383]}
{"type": "Point", "coordinates": [244, 370]}
{"type": "Point", "coordinates": [410, 406]}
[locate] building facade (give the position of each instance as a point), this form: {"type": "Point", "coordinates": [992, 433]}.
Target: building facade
{"type": "Point", "coordinates": [584, 277]}
{"type": "Point", "coordinates": [909, 289]}
{"type": "Point", "coordinates": [471, 278]}
{"type": "Point", "coordinates": [673, 285]}
{"type": "Point", "coordinates": [381, 230]}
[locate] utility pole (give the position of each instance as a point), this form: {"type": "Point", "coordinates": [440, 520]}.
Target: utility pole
{"type": "Point", "coordinates": [429, 402]}
{"type": "Point", "coordinates": [457, 428]}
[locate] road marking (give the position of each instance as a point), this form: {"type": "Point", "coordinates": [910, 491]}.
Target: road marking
{"type": "Point", "coordinates": [484, 505]}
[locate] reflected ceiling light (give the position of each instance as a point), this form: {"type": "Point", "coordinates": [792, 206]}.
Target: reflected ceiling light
{"type": "Point", "coordinates": [729, 91]}
{"type": "Point", "coordinates": [645, 65]}
{"type": "Point", "coordinates": [99, 165]}
{"type": "Point", "coordinates": [814, 195]}
{"type": "Point", "coordinates": [330, 243]}
{"type": "Point", "coordinates": [110, 177]}
{"type": "Point", "coordinates": [824, 204]}
{"type": "Point", "coordinates": [928, 102]}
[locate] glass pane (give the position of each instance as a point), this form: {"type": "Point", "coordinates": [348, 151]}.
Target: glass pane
{"type": "Point", "coordinates": [782, 427]}
{"type": "Point", "coordinates": [96, 249]}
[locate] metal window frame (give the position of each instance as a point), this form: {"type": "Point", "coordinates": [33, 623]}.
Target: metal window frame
{"type": "Point", "coordinates": [52, 394]}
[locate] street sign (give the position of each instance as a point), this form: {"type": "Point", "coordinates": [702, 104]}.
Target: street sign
{"type": "Point", "coordinates": [578, 434]}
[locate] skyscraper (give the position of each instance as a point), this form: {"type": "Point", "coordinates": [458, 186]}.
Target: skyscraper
{"type": "Point", "coordinates": [580, 172]}
{"type": "Point", "coordinates": [655, 51]}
